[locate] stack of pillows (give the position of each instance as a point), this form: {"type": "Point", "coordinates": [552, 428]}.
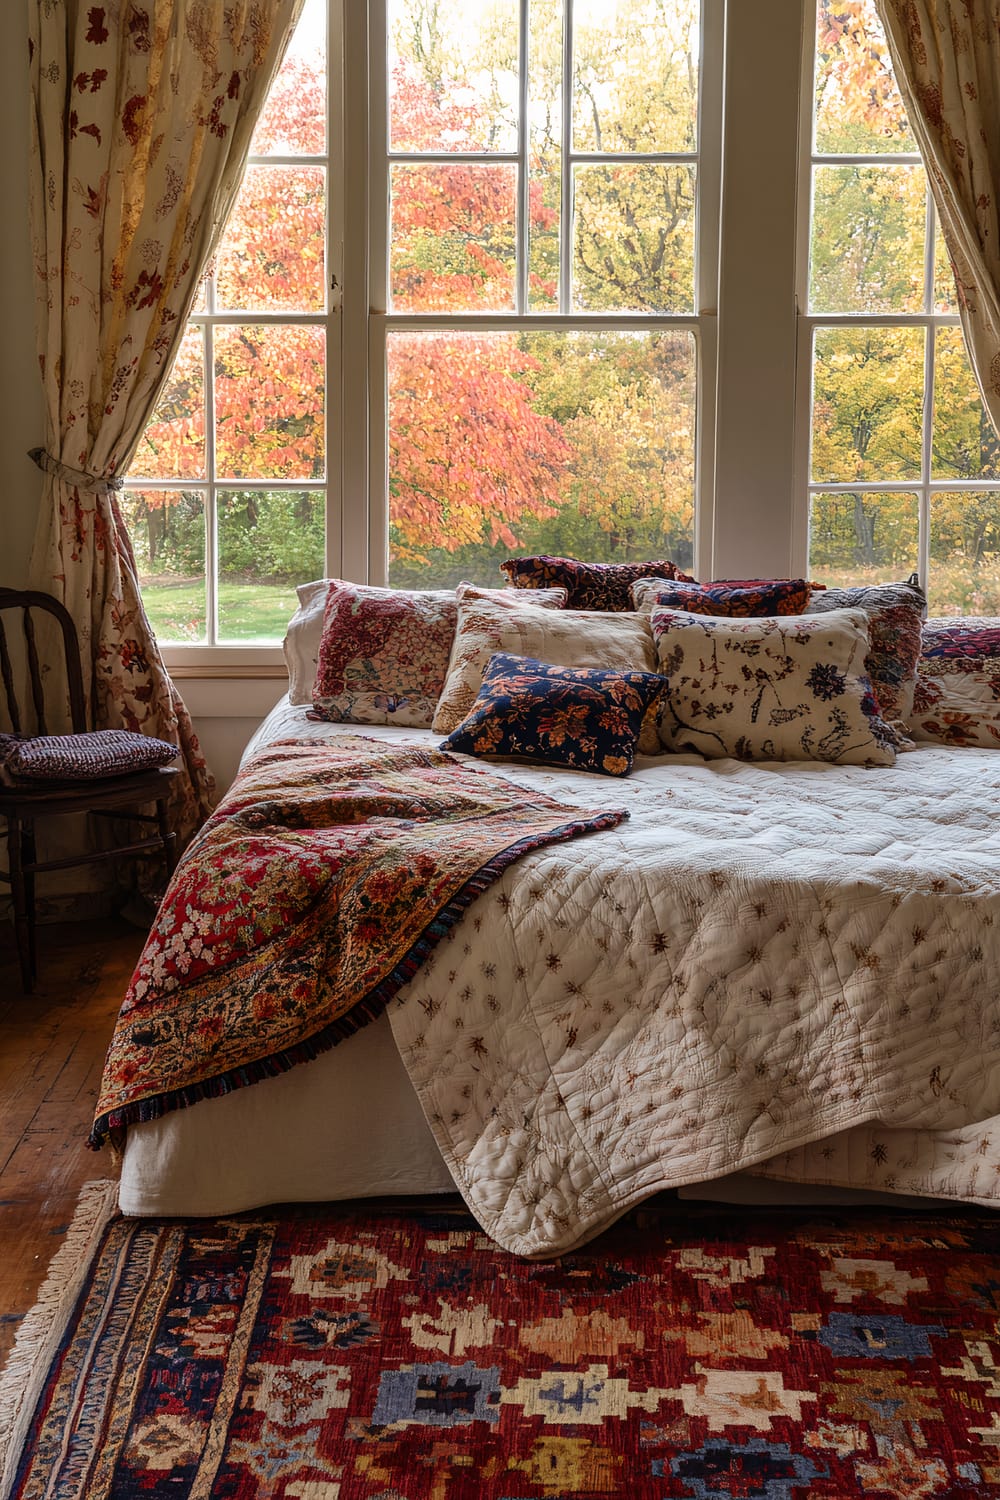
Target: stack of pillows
{"type": "Point", "coordinates": [586, 664]}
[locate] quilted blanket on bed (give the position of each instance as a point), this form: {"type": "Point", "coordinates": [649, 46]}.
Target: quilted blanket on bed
{"type": "Point", "coordinates": [323, 880]}
{"type": "Point", "coordinates": [759, 959]}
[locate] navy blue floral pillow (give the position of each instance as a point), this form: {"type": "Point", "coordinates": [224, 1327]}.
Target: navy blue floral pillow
{"type": "Point", "coordinates": [587, 718]}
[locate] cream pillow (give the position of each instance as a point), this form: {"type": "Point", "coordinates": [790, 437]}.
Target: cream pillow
{"type": "Point", "coordinates": [791, 687]}
{"type": "Point", "coordinates": [561, 638]}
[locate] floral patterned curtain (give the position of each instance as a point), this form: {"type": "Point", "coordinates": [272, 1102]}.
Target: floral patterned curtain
{"type": "Point", "coordinates": [142, 113]}
{"type": "Point", "coordinates": [946, 56]}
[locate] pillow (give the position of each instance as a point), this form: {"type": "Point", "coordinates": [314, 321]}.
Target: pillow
{"type": "Point", "coordinates": [383, 653]}
{"type": "Point", "coordinates": [305, 631]}
{"type": "Point", "coordinates": [895, 612]}
{"type": "Point", "coordinates": [972, 636]}
{"type": "Point", "coordinates": [957, 701]}
{"type": "Point", "coordinates": [780, 596]}
{"type": "Point", "coordinates": [302, 638]}
{"type": "Point", "coordinates": [582, 717]}
{"type": "Point", "coordinates": [93, 756]}
{"type": "Point", "coordinates": [563, 638]}
{"type": "Point", "coordinates": [781, 688]}
{"type": "Point", "coordinates": [599, 586]}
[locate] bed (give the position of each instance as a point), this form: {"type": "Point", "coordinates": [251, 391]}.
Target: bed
{"type": "Point", "coordinates": [788, 980]}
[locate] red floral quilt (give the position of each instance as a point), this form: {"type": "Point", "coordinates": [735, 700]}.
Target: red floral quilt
{"type": "Point", "coordinates": [316, 889]}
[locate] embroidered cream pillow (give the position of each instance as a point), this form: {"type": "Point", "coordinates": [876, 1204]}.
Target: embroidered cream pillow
{"type": "Point", "coordinates": [785, 688]}
{"type": "Point", "coordinates": [560, 637]}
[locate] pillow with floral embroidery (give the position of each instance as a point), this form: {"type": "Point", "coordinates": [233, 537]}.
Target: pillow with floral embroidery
{"type": "Point", "coordinates": [780, 688]}
{"type": "Point", "coordinates": [895, 613]}
{"type": "Point", "coordinates": [781, 596]}
{"type": "Point", "coordinates": [91, 756]}
{"type": "Point", "coordinates": [957, 701]}
{"type": "Point", "coordinates": [582, 717]}
{"type": "Point", "coordinates": [561, 637]}
{"type": "Point", "coordinates": [596, 586]}
{"type": "Point", "coordinates": [383, 654]}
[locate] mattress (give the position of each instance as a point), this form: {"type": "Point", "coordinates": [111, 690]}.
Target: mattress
{"type": "Point", "coordinates": [350, 1124]}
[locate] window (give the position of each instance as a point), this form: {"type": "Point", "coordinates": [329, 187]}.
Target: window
{"type": "Point", "coordinates": [904, 464]}
{"type": "Point", "coordinates": [521, 201]}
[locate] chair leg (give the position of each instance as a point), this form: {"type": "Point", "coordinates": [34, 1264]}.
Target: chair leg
{"type": "Point", "coordinates": [22, 922]}
{"type": "Point", "coordinates": [29, 858]}
{"type": "Point", "coordinates": [167, 834]}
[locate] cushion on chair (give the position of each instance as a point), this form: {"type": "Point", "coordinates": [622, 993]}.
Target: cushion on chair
{"type": "Point", "coordinates": [80, 757]}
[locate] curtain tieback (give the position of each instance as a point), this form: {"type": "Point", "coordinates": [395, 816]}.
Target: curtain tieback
{"type": "Point", "coordinates": [84, 481]}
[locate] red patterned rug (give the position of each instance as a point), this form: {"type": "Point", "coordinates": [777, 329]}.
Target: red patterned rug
{"type": "Point", "coordinates": [381, 1354]}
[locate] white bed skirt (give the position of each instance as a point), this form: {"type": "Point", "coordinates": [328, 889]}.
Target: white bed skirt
{"type": "Point", "coordinates": [347, 1125]}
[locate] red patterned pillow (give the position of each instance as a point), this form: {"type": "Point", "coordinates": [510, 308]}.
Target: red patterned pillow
{"type": "Point", "coordinates": [383, 655]}
{"type": "Point", "coordinates": [80, 757]}
{"type": "Point", "coordinates": [597, 586]}
{"type": "Point", "coordinates": [785, 596]}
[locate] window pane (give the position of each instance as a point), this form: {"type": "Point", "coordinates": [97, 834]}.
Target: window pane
{"type": "Point", "coordinates": [868, 388]}
{"type": "Point", "coordinates": [269, 393]}
{"type": "Point", "coordinates": [862, 538]}
{"type": "Point", "coordinates": [293, 120]}
{"type": "Point", "coordinates": [452, 75]}
{"type": "Point", "coordinates": [271, 257]}
{"type": "Point", "coordinates": [269, 541]}
{"type": "Point", "coordinates": [867, 252]}
{"type": "Point", "coordinates": [965, 553]}
{"type": "Point", "coordinates": [965, 443]}
{"type": "Point", "coordinates": [633, 233]}
{"type": "Point", "coordinates": [858, 108]}
{"type": "Point", "coordinates": [167, 528]}
{"type": "Point", "coordinates": [173, 444]}
{"type": "Point", "coordinates": [568, 443]}
{"type": "Point", "coordinates": [453, 229]}
{"type": "Point", "coordinates": [635, 75]}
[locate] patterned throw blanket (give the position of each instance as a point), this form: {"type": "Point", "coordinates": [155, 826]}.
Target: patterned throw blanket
{"type": "Point", "coordinates": [317, 888]}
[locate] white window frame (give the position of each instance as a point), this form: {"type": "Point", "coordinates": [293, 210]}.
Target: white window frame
{"type": "Point", "coordinates": [924, 486]}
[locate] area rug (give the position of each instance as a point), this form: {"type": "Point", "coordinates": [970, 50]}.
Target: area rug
{"type": "Point", "coordinates": [396, 1354]}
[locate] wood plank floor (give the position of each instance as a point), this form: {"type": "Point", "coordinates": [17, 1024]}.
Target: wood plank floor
{"type": "Point", "coordinates": [52, 1047]}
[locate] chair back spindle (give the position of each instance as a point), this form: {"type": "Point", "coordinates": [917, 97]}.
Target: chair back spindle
{"type": "Point", "coordinates": [28, 601]}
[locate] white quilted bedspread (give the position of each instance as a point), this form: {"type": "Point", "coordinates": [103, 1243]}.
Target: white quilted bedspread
{"type": "Point", "coordinates": [792, 965]}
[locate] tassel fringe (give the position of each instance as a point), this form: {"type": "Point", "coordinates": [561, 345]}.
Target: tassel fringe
{"type": "Point", "coordinates": [40, 1332]}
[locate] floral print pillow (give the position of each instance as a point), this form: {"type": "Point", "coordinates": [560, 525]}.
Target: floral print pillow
{"type": "Point", "coordinates": [562, 637]}
{"type": "Point", "coordinates": [957, 701]}
{"type": "Point", "coordinates": [582, 717]}
{"type": "Point", "coordinates": [383, 654]}
{"type": "Point", "coordinates": [780, 688]}
{"type": "Point", "coordinates": [895, 613]}
{"type": "Point", "coordinates": [596, 586]}
{"type": "Point", "coordinates": [780, 596]}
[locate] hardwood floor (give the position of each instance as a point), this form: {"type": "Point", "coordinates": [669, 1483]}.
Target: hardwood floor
{"type": "Point", "coordinates": [52, 1047]}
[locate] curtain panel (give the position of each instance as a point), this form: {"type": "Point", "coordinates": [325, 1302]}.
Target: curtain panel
{"type": "Point", "coordinates": [142, 114]}
{"type": "Point", "coordinates": [946, 56]}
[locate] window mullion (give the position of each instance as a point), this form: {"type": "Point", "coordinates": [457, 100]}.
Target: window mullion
{"type": "Point", "coordinates": [566, 163]}
{"type": "Point", "coordinates": [212, 494]}
{"type": "Point", "coordinates": [522, 227]}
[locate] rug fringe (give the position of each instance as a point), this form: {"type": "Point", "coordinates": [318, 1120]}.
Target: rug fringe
{"type": "Point", "coordinates": [41, 1329]}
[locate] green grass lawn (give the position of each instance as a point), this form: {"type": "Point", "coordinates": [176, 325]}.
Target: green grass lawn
{"type": "Point", "coordinates": [247, 611]}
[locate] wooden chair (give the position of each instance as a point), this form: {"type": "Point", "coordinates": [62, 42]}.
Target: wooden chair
{"type": "Point", "coordinates": [110, 797]}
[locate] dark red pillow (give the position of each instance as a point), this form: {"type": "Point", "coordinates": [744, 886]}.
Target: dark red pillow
{"type": "Point", "coordinates": [597, 586]}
